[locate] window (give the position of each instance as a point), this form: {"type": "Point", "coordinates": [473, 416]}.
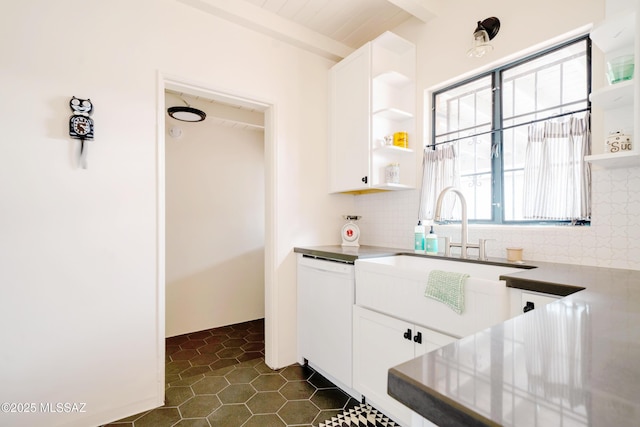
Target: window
{"type": "Point", "coordinates": [520, 133]}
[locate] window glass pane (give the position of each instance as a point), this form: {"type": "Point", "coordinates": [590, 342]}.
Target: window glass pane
{"type": "Point", "coordinates": [548, 88]}
{"type": "Point", "coordinates": [550, 84]}
{"type": "Point", "coordinates": [483, 108]}
{"type": "Point", "coordinates": [513, 195]}
{"type": "Point", "coordinates": [574, 80]}
{"type": "Point", "coordinates": [514, 146]}
{"type": "Point", "coordinates": [507, 99]}
{"type": "Point", "coordinates": [464, 108]}
{"type": "Point", "coordinates": [477, 193]}
{"type": "Point", "coordinates": [524, 94]}
{"type": "Point", "coordinates": [537, 88]}
{"type": "Point", "coordinates": [475, 154]}
{"type": "Point", "coordinates": [475, 175]}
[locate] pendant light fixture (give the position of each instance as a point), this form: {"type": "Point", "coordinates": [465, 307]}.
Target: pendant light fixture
{"type": "Point", "coordinates": [186, 113]}
{"type": "Point", "coordinates": [485, 31]}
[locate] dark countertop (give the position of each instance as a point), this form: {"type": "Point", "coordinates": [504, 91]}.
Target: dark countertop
{"type": "Point", "coordinates": [574, 362]}
{"type": "Point", "coordinates": [348, 253]}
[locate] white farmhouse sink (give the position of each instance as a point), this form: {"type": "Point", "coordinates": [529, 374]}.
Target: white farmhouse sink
{"type": "Point", "coordinates": [420, 264]}
{"type": "Point", "coordinates": [397, 285]}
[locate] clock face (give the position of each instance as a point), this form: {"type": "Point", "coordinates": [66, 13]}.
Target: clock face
{"type": "Point", "coordinates": [350, 233]}
{"type": "Point", "coordinates": [81, 127]}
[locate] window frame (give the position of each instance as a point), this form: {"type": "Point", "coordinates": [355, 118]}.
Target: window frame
{"type": "Point", "coordinates": [497, 128]}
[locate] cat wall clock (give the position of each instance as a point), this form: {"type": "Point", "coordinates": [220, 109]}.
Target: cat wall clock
{"type": "Point", "coordinates": [81, 124]}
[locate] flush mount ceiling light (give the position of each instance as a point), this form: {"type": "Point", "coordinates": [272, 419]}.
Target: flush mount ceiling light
{"type": "Point", "coordinates": [186, 113]}
{"type": "Point", "coordinates": [485, 31]}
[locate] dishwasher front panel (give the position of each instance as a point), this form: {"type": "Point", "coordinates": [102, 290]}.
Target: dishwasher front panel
{"type": "Point", "coordinates": [326, 294]}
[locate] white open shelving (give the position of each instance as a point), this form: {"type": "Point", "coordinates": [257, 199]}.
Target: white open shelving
{"type": "Point", "coordinates": [619, 102]}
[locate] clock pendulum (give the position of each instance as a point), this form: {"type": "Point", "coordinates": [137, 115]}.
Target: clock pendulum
{"type": "Point", "coordinates": [350, 231]}
{"type": "Point", "coordinates": [81, 125]}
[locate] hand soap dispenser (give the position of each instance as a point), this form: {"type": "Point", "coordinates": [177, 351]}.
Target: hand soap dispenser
{"type": "Point", "coordinates": [431, 243]}
{"type": "Point", "coordinates": [419, 238]}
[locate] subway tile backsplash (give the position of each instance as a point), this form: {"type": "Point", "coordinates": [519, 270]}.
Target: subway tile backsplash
{"type": "Point", "coordinates": [612, 240]}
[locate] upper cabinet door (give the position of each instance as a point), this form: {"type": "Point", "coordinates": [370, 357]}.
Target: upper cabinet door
{"type": "Point", "coordinates": [350, 122]}
{"type": "Point", "coordinates": [373, 97]}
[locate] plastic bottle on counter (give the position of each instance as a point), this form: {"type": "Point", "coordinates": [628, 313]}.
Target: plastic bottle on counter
{"type": "Point", "coordinates": [431, 243]}
{"type": "Point", "coordinates": [419, 238]}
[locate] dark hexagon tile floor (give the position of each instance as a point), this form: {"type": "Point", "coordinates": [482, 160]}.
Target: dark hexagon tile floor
{"type": "Point", "coordinates": [218, 378]}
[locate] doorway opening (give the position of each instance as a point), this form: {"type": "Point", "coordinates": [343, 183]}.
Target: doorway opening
{"type": "Point", "coordinates": [172, 86]}
{"type": "Point", "coordinates": [214, 216]}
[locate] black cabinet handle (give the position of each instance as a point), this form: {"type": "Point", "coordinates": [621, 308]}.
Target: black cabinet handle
{"type": "Point", "coordinates": [418, 338]}
{"type": "Point", "coordinates": [530, 306]}
{"type": "Point", "coordinates": [407, 335]}
{"type": "Point", "coordinates": [365, 179]}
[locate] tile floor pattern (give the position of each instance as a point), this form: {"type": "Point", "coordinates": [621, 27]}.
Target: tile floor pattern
{"type": "Point", "coordinates": [218, 378]}
{"type": "Point", "coordinates": [362, 415]}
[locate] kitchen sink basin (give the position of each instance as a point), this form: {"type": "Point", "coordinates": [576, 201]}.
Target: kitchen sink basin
{"type": "Point", "coordinates": [382, 282]}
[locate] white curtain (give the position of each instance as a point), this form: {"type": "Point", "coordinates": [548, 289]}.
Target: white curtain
{"type": "Point", "coordinates": [557, 180]}
{"type": "Point", "coordinates": [440, 170]}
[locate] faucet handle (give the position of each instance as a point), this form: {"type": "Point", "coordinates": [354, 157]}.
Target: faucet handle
{"type": "Point", "coordinates": [447, 246]}
{"type": "Point", "coordinates": [483, 249]}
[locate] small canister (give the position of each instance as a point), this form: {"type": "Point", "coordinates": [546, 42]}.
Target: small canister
{"type": "Point", "coordinates": [401, 139]}
{"type": "Point", "coordinates": [392, 173]}
{"type": "Point", "coordinates": [617, 142]}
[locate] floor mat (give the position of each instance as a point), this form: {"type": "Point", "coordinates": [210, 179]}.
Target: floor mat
{"type": "Point", "coordinates": [362, 415]}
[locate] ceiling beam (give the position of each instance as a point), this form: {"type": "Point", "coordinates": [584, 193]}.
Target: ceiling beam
{"type": "Point", "coordinates": [424, 10]}
{"type": "Point", "coordinates": [270, 24]}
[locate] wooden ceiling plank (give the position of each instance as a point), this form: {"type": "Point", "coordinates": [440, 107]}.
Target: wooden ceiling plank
{"type": "Point", "coordinates": [424, 10]}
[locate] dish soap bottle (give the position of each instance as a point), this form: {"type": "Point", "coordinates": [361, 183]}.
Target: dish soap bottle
{"type": "Point", "coordinates": [419, 238]}
{"type": "Point", "coordinates": [431, 243]}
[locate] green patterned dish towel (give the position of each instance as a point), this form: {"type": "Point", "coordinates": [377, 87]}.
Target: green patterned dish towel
{"type": "Point", "coordinates": [447, 288]}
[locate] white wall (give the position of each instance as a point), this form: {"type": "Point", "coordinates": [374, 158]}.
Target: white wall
{"type": "Point", "coordinates": [614, 236]}
{"type": "Point", "coordinates": [80, 262]}
{"type": "Point", "coordinates": [215, 215]}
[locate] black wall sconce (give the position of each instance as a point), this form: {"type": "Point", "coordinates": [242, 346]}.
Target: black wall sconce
{"type": "Point", "coordinates": [485, 31]}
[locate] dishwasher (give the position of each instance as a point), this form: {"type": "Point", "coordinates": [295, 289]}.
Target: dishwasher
{"type": "Point", "coordinates": [326, 294]}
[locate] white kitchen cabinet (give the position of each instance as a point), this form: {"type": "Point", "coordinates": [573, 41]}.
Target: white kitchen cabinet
{"type": "Point", "coordinates": [620, 102]}
{"type": "Point", "coordinates": [371, 95]}
{"type": "Point", "coordinates": [325, 302]}
{"type": "Point", "coordinates": [532, 300]}
{"type": "Point", "coordinates": [390, 301]}
{"type": "Point", "coordinates": [523, 301]}
{"type": "Point", "coordinates": [381, 342]}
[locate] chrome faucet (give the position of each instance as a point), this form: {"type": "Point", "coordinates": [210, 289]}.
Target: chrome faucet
{"type": "Point", "coordinates": [464, 240]}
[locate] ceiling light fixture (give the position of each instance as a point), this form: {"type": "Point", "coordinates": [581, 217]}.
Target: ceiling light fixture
{"type": "Point", "coordinates": [186, 113]}
{"type": "Point", "coordinates": [485, 31]}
